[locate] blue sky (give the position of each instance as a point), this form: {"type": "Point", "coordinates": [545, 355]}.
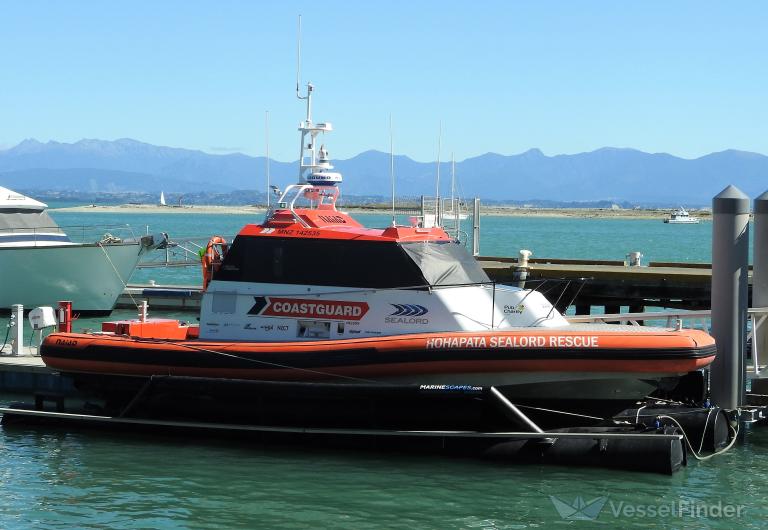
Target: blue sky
{"type": "Point", "coordinates": [682, 77]}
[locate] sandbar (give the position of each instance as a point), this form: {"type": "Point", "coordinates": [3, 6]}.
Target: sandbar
{"type": "Point", "coordinates": [509, 211]}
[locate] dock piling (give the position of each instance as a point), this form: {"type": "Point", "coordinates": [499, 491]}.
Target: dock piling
{"type": "Point", "coordinates": [730, 265]}
{"type": "Point", "coordinates": [476, 227]}
{"type": "Point", "coordinates": [17, 328]}
{"type": "Point", "coordinates": [760, 277]}
{"type": "Point", "coordinates": [521, 271]}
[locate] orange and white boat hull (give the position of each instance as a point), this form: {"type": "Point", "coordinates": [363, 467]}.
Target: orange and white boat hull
{"type": "Point", "coordinates": [522, 357]}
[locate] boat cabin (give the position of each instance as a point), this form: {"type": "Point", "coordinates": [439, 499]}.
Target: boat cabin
{"type": "Point", "coordinates": [306, 274]}
{"type": "Point", "coordinates": [24, 222]}
{"type": "Point", "coordinates": [310, 271]}
{"type": "Point", "coordinates": [353, 256]}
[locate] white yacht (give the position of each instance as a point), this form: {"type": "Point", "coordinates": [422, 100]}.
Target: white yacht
{"type": "Point", "coordinates": [681, 217]}
{"type": "Point", "coordinates": [41, 265]}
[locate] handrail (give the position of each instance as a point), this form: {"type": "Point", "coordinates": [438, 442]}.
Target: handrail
{"type": "Point", "coordinates": [757, 318]}
{"type": "Point", "coordinates": [81, 233]}
{"type": "Point", "coordinates": [657, 315]}
{"type": "Point", "coordinates": [178, 253]}
{"type": "Point", "coordinates": [639, 317]}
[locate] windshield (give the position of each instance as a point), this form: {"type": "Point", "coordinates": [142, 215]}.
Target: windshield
{"type": "Point", "coordinates": [26, 220]}
{"type": "Point", "coordinates": [445, 263]}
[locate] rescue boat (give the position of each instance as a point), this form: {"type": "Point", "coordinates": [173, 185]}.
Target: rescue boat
{"type": "Point", "coordinates": [311, 296]}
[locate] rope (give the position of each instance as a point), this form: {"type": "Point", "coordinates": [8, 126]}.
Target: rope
{"type": "Point", "coordinates": [706, 423]}
{"type": "Point", "coordinates": [651, 415]}
{"type": "Point", "coordinates": [7, 334]}
{"type": "Point", "coordinates": [117, 273]}
{"type": "Point", "coordinates": [665, 400]}
{"type": "Point", "coordinates": [258, 361]}
{"type": "Point", "coordinates": [688, 443]}
{"type": "Point", "coordinates": [560, 412]}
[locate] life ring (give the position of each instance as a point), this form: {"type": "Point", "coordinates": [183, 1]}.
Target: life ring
{"type": "Point", "coordinates": [212, 258]}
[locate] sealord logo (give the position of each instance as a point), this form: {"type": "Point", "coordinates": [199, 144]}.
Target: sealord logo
{"type": "Point", "coordinates": [409, 310]}
{"type": "Point", "coordinates": [407, 314]}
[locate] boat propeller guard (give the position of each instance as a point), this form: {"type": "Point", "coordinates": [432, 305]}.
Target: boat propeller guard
{"type": "Point", "coordinates": [212, 257]}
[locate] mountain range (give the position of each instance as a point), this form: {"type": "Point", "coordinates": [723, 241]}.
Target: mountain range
{"type": "Point", "coordinates": [614, 174]}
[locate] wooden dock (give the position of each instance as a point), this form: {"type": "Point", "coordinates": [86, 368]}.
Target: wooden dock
{"type": "Point", "coordinates": [28, 361]}
{"type": "Point", "coordinates": [583, 283]}
{"type": "Point", "coordinates": [26, 372]}
{"type": "Point", "coordinates": [610, 284]}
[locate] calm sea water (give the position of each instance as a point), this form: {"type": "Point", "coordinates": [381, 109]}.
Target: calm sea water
{"type": "Point", "coordinates": [56, 479]}
{"type": "Point", "coordinates": [609, 239]}
{"type": "Point", "coordinates": [95, 479]}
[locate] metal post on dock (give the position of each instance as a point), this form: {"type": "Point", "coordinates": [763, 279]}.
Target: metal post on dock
{"type": "Point", "coordinates": [520, 273]}
{"type": "Point", "coordinates": [730, 266]}
{"type": "Point", "coordinates": [760, 281]}
{"type": "Point", "coordinates": [476, 227]}
{"type": "Point", "coordinates": [17, 333]}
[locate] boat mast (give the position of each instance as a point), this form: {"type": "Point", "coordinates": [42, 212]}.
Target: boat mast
{"type": "Point", "coordinates": [266, 135]}
{"type": "Point", "coordinates": [392, 168]}
{"type": "Point", "coordinates": [453, 186]}
{"type": "Point", "coordinates": [306, 125]}
{"type": "Point", "coordinates": [437, 184]}
{"type": "Point", "coordinates": [314, 162]}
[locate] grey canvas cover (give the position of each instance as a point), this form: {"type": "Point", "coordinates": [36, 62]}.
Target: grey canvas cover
{"type": "Point", "coordinates": [445, 263]}
{"type": "Point", "coordinates": [26, 221]}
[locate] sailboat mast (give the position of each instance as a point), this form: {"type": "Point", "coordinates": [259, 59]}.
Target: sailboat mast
{"type": "Point", "coordinates": [453, 185]}
{"type": "Point", "coordinates": [437, 184]}
{"type": "Point", "coordinates": [266, 136]}
{"type": "Point", "coordinates": [392, 167]}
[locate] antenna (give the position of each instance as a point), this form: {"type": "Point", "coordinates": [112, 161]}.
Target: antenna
{"type": "Point", "coordinates": [266, 135]}
{"type": "Point", "coordinates": [453, 185]}
{"type": "Point", "coordinates": [298, 61]}
{"type": "Point", "coordinates": [437, 193]}
{"type": "Point", "coordinates": [392, 168]}
{"type": "Point", "coordinates": [306, 126]}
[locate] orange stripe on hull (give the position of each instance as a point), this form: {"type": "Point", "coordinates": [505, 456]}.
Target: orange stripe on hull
{"type": "Point", "coordinates": [676, 366]}
{"type": "Point", "coordinates": [426, 341]}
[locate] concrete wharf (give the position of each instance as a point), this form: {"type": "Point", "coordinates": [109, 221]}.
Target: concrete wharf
{"type": "Point", "coordinates": [26, 372]}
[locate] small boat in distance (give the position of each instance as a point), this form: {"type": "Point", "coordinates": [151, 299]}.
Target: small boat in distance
{"type": "Point", "coordinates": [681, 217]}
{"type": "Point", "coordinates": [162, 199]}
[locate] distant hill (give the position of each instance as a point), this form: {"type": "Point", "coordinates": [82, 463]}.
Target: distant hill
{"type": "Point", "coordinates": [95, 180]}
{"type": "Point", "coordinates": [607, 174]}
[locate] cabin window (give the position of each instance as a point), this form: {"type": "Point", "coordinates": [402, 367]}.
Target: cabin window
{"type": "Point", "coordinates": [342, 263]}
{"type": "Point", "coordinates": [20, 225]}
{"type": "Point", "coordinates": [224, 302]}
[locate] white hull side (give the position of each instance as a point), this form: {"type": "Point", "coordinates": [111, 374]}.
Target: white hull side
{"type": "Point", "coordinates": [229, 311]}
{"type": "Point", "coordinates": [38, 276]}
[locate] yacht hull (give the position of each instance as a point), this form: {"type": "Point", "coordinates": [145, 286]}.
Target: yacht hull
{"type": "Point", "coordinates": [91, 276]}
